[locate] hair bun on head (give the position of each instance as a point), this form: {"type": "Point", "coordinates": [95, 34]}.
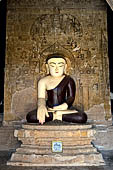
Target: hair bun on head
{"type": "Point", "coordinates": [55, 55]}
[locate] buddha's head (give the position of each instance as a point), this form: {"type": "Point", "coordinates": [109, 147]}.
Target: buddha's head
{"type": "Point", "coordinates": [56, 65]}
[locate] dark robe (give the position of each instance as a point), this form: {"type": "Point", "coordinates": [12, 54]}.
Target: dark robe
{"type": "Point", "coordinates": [64, 92]}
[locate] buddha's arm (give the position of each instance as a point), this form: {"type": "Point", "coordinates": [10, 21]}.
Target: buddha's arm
{"type": "Point", "coordinates": [71, 90]}
{"type": "Point", "coordinates": [42, 110]}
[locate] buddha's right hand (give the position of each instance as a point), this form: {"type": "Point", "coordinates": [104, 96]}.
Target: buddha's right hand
{"type": "Point", "coordinates": [42, 113]}
{"type": "Point", "coordinates": [42, 110]}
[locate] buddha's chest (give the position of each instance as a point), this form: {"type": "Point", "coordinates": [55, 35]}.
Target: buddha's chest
{"type": "Point", "coordinates": [53, 83]}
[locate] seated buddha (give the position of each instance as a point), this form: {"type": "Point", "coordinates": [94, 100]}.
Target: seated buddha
{"type": "Point", "coordinates": [60, 90]}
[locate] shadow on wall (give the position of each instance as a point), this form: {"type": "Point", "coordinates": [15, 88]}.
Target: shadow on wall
{"type": "Point", "coordinates": [111, 95]}
{"type": "Point", "coordinates": [2, 50]}
{"type": "Point", "coordinates": [1, 106]}
{"type": "Point", "coordinates": [23, 102]}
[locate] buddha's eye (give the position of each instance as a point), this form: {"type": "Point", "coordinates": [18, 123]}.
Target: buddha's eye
{"type": "Point", "coordinates": [52, 66]}
{"type": "Point", "coordinates": [61, 65]}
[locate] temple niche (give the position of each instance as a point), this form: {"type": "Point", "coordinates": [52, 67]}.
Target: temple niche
{"type": "Point", "coordinates": [76, 28]}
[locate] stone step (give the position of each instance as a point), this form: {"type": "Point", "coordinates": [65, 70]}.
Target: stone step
{"type": "Point", "coordinates": [48, 147]}
{"type": "Point", "coordinates": [45, 151]}
{"type": "Point", "coordinates": [47, 133]}
{"type": "Point", "coordinates": [53, 127]}
{"type": "Point", "coordinates": [56, 160]}
{"type": "Point", "coordinates": [48, 142]}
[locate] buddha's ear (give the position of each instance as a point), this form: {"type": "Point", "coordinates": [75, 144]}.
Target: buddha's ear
{"type": "Point", "coordinates": [47, 69]}
{"type": "Point", "coordinates": [65, 69]}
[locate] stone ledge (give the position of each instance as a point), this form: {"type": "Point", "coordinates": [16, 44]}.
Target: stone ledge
{"type": "Point", "coordinates": [89, 159]}
{"type": "Point", "coordinates": [62, 131]}
{"type": "Point", "coordinates": [51, 133]}
{"type": "Point", "coordinates": [53, 127]}
{"type": "Point", "coordinates": [29, 164]}
{"type": "Point", "coordinates": [66, 151]}
{"type": "Point", "coordinates": [40, 142]}
{"type": "Point", "coordinates": [47, 147]}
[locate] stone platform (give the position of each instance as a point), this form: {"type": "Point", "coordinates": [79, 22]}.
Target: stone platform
{"type": "Point", "coordinates": [36, 147]}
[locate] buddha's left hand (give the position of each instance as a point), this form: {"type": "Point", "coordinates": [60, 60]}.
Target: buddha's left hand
{"type": "Point", "coordinates": [63, 106]}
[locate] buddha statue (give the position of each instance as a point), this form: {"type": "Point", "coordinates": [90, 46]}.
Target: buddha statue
{"type": "Point", "coordinates": [60, 90]}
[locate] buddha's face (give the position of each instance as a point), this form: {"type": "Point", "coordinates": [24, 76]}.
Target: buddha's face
{"type": "Point", "coordinates": [56, 66]}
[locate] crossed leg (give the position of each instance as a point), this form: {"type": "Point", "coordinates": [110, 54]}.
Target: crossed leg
{"type": "Point", "coordinates": [73, 117]}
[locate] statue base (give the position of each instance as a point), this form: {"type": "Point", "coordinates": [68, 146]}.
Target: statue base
{"type": "Point", "coordinates": [63, 145]}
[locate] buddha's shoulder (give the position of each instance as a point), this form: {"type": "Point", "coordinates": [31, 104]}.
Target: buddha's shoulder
{"type": "Point", "coordinates": [44, 79]}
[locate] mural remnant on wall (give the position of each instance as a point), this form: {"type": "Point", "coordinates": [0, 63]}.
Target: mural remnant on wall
{"type": "Point", "coordinates": [79, 34]}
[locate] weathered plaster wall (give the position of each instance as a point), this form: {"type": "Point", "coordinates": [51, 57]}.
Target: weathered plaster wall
{"type": "Point", "coordinates": [77, 28]}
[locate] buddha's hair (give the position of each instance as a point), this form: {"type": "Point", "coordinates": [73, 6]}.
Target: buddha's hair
{"type": "Point", "coordinates": [55, 55]}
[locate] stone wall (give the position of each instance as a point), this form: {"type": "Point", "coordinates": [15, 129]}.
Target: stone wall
{"type": "Point", "coordinates": [78, 29]}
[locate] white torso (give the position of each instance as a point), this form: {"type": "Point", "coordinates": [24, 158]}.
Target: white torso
{"type": "Point", "coordinates": [48, 83]}
{"type": "Point", "coordinates": [52, 82]}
